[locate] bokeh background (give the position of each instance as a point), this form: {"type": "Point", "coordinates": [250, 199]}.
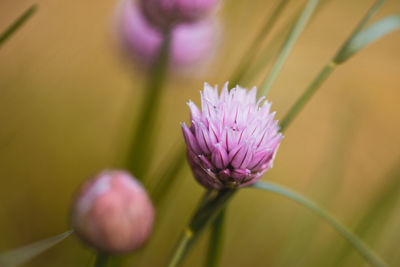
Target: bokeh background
{"type": "Point", "coordinates": [68, 100]}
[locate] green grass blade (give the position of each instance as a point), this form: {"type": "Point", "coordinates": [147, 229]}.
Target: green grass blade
{"type": "Point", "coordinates": [289, 44]}
{"type": "Point", "coordinates": [333, 163]}
{"type": "Point", "coordinates": [378, 212]}
{"type": "Point", "coordinates": [24, 254]}
{"type": "Point", "coordinates": [215, 244]}
{"type": "Point", "coordinates": [305, 97]}
{"type": "Point", "coordinates": [352, 239]}
{"type": "Point", "coordinates": [167, 175]}
{"type": "Point", "coordinates": [371, 12]}
{"type": "Point", "coordinates": [357, 40]}
{"type": "Point", "coordinates": [102, 260]}
{"type": "Point", "coordinates": [249, 55]}
{"type": "Point", "coordinates": [368, 36]}
{"type": "Point", "coordinates": [4, 36]}
{"type": "Point", "coordinates": [142, 143]}
{"type": "Point", "coordinates": [274, 45]}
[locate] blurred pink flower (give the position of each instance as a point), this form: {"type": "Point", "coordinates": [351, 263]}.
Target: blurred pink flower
{"type": "Point", "coordinates": [191, 43]}
{"type": "Point", "coordinates": [164, 13]}
{"type": "Point", "coordinates": [113, 213]}
{"type": "Point", "coordinates": [233, 140]}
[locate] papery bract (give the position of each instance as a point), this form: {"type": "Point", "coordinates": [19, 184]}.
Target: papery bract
{"type": "Point", "coordinates": [112, 212]}
{"type": "Point", "coordinates": [233, 140]}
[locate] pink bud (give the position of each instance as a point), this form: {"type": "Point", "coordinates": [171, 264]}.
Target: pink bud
{"type": "Point", "coordinates": [112, 212]}
{"type": "Point", "coordinates": [164, 13]}
{"type": "Point", "coordinates": [192, 44]}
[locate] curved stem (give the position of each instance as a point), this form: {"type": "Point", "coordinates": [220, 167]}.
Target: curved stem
{"type": "Point", "coordinates": [101, 260]}
{"type": "Point", "coordinates": [295, 109]}
{"type": "Point", "coordinates": [353, 240]}
{"type": "Point", "coordinates": [181, 248]}
{"type": "Point", "coordinates": [216, 240]}
{"type": "Point", "coordinates": [288, 45]}
{"type": "Point", "coordinates": [250, 54]}
{"type": "Point", "coordinates": [207, 210]}
{"type": "Point", "coordinates": [168, 175]}
{"type": "Point", "coordinates": [142, 142]}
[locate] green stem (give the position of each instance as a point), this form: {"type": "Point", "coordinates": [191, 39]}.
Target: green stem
{"type": "Point", "coordinates": [167, 176]}
{"type": "Point", "coordinates": [250, 54]}
{"type": "Point", "coordinates": [216, 240]}
{"type": "Point", "coordinates": [321, 77]}
{"type": "Point", "coordinates": [341, 54]}
{"type": "Point", "coordinates": [288, 45]}
{"type": "Point", "coordinates": [17, 24]}
{"type": "Point", "coordinates": [205, 213]}
{"type": "Point", "coordinates": [378, 212]}
{"type": "Point", "coordinates": [353, 240]}
{"type": "Point", "coordinates": [181, 248]}
{"type": "Point", "coordinates": [141, 149]}
{"type": "Point", "coordinates": [101, 260]}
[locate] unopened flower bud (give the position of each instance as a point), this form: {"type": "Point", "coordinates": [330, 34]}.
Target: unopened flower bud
{"type": "Point", "coordinates": [112, 212]}
{"type": "Point", "coordinates": [164, 13]}
{"type": "Point", "coordinates": [192, 44]}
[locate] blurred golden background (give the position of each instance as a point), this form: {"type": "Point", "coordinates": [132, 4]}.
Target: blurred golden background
{"type": "Point", "coordinates": [68, 100]}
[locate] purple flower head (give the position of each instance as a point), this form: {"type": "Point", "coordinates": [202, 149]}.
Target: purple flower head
{"type": "Point", "coordinates": [164, 13]}
{"type": "Point", "coordinates": [192, 44]}
{"type": "Point", "coordinates": [233, 139]}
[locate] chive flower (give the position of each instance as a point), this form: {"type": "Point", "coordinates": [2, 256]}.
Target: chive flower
{"type": "Point", "coordinates": [233, 139]}
{"type": "Point", "coordinates": [192, 44]}
{"type": "Point", "coordinates": [112, 212]}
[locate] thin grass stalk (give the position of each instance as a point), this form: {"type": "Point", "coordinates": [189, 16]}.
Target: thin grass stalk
{"type": "Point", "coordinates": [140, 152]}
{"type": "Point", "coordinates": [288, 45]}
{"type": "Point", "coordinates": [275, 45]}
{"type": "Point", "coordinates": [333, 165]}
{"type": "Point", "coordinates": [101, 260]}
{"type": "Point", "coordinates": [167, 176]}
{"type": "Point", "coordinates": [205, 213]}
{"type": "Point", "coordinates": [24, 254]}
{"type": "Point", "coordinates": [270, 51]}
{"type": "Point", "coordinates": [379, 207]}
{"type": "Point", "coordinates": [17, 24]}
{"type": "Point", "coordinates": [305, 97]}
{"type": "Point", "coordinates": [371, 12]}
{"type": "Point", "coordinates": [215, 243]}
{"type": "Point", "coordinates": [249, 55]}
{"type": "Point", "coordinates": [352, 239]}
{"type": "Point", "coordinates": [339, 58]}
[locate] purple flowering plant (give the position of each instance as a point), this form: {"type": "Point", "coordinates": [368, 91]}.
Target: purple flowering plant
{"type": "Point", "coordinates": [231, 140]}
